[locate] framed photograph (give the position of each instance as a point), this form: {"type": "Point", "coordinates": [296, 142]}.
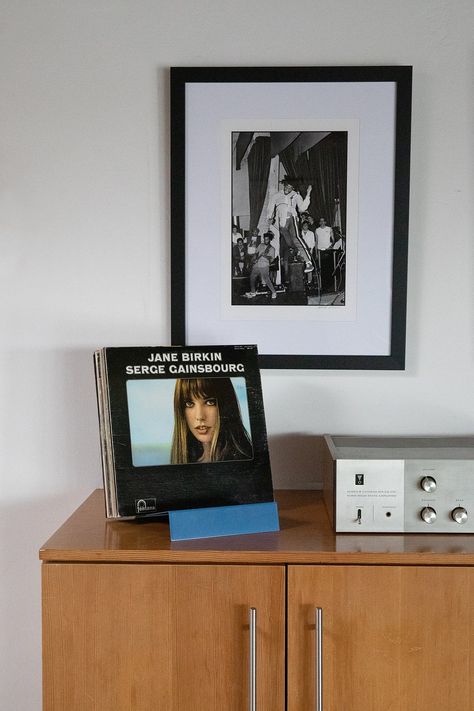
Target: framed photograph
{"type": "Point", "coordinates": [289, 212]}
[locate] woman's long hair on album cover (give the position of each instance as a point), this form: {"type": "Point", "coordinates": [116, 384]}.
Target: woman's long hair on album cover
{"type": "Point", "coordinates": [230, 439]}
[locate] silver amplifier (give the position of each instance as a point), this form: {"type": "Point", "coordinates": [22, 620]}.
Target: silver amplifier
{"type": "Point", "coordinates": [400, 484]}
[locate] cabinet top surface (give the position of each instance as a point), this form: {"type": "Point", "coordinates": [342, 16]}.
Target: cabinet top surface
{"type": "Point", "coordinates": [305, 537]}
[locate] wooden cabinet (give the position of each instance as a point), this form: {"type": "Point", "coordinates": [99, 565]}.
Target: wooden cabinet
{"type": "Point", "coordinates": [171, 637]}
{"type": "Point", "coordinates": [132, 622]}
{"type": "Point", "coordinates": [394, 637]}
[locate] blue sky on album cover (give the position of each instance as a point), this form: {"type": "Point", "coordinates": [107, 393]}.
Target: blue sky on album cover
{"type": "Point", "coordinates": [150, 412]}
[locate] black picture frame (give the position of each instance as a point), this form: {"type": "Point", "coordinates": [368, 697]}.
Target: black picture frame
{"type": "Point", "coordinates": [371, 77]}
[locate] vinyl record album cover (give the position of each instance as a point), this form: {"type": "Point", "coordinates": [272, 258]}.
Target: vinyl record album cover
{"type": "Point", "coordinates": [181, 427]}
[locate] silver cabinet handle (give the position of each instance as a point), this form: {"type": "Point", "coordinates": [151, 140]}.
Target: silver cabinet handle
{"type": "Point", "coordinates": [319, 657]}
{"type": "Point", "coordinates": [253, 660]}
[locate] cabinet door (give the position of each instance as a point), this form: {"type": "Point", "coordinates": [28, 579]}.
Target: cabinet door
{"type": "Point", "coordinates": [394, 638]}
{"type": "Point", "coordinates": [133, 637]}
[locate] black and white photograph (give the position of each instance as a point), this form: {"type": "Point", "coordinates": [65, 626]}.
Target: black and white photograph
{"type": "Point", "coordinates": [288, 223]}
{"type": "Point", "coordinates": [289, 212]}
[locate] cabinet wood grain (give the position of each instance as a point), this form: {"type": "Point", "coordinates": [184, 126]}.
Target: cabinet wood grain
{"type": "Point", "coordinates": [305, 537]}
{"type": "Point", "coordinates": [134, 622]}
{"type": "Point", "coordinates": [394, 638]}
{"type": "Point", "coordinates": [161, 637]}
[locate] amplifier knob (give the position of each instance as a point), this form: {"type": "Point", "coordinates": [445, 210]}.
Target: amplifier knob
{"type": "Point", "coordinates": [428, 514]}
{"type": "Point", "coordinates": [459, 514]}
{"type": "Point", "coordinates": [428, 484]}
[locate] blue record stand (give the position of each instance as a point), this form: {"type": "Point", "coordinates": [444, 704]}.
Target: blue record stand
{"type": "Point", "coordinates": [189, 524]}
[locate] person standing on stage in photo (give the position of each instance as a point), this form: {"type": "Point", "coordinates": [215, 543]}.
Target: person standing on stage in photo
{"type": "Point", "coordinates": [264, 257]}
{"type": "Point", "coordinates": [324, 243]}
{"type": "Point", "coordinates": [239, 257]}
{"type": "Point", "coordinates": [254, 241]}
{"type": "Point", "coordinates": [324, 235]}
{"type": "Point", "coordinates": [306, 217]}
{"type": "Point", "coordinates": [236, 234]}
{"type": "Point", "coordinates": [307, 236]}
{"type": "Point", "coordinates": [309, 239]}
{"type": "Point", "coordinates": [283, 210]}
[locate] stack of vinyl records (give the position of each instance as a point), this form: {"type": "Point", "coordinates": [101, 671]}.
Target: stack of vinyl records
{"type": "Point", "coordinates": [181, 427]}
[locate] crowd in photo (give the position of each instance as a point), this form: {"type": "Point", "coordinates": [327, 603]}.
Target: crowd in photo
{"type": "Point", "coordinates": [295, 242]}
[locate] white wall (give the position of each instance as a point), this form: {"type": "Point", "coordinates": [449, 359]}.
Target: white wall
{"type": "Point", "coordinates": [84, 229]}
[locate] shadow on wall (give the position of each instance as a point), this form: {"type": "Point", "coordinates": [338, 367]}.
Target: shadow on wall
{"type": "Point", "coordinates": [296, 460]}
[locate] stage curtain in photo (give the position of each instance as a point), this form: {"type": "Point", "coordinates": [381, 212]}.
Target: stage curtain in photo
{"type": "Point", "coordinates": [298, 167]}
{"type": "Point", "coordinates": [293, 164]}
{"type": "Point", "coordinates": [281, 140]}
{"type": "Point", "coordinates": [328, 174]}
{"type": "Point", "coordinates": [243, 142]}
{"type": "Point", "coordinates": [258, 168]}
{"type": "Point", "coordinates": [295, 157]}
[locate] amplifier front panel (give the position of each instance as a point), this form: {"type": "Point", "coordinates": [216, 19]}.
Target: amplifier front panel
{"type": "Point", "coordinates": [450, 496]}
{"type": "Point", "coordinates": [369, 495]}
{"type": "Point", "coordinates": [403, 496]}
